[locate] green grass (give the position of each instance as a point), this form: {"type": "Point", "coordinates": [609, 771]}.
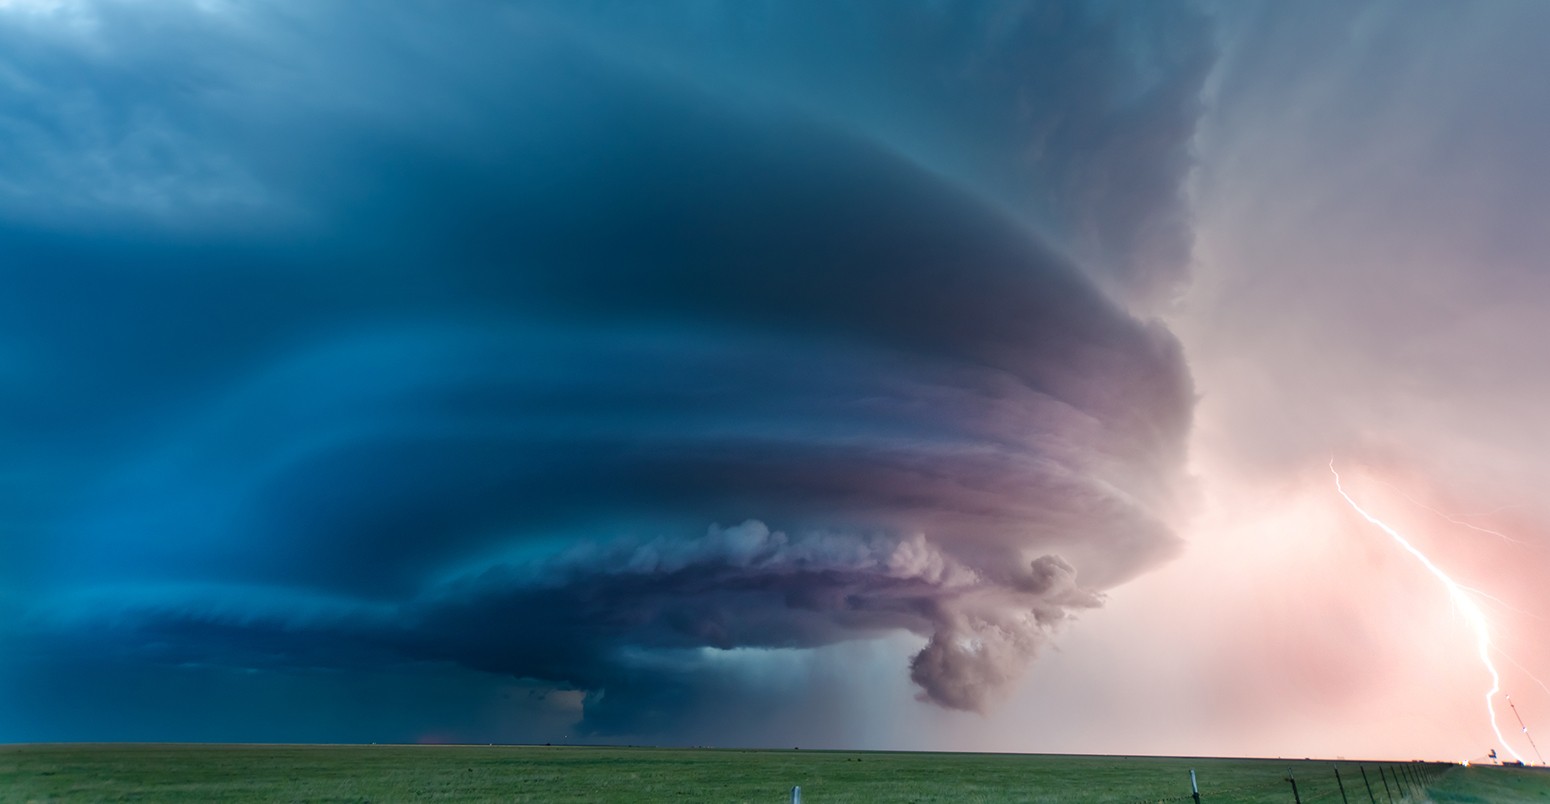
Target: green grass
{"type": "Point", "coordinates": [173, 773]}
{"type": "Point", "coordinates": [1486, 785]}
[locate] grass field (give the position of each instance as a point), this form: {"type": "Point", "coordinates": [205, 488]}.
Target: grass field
{"type": "Point", "coordinates": [200, 773]}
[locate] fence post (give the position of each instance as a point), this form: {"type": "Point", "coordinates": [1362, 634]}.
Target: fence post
{"type": "Point", "coordinates": [1194, 789]}
{"type": "Point", "coordinates": [1385, 777]}
{"type": "Point", "coordinates": [1370, 796]}
{"type": "Point", "coordinates": [796, 795]}
{"type": "Point", "coordinates": [1295, 797]}
{"type": "Point", "coordinates": [1343, 799]}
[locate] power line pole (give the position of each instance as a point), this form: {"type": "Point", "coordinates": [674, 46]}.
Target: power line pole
{"type": "Point", "coordinates": [1524, 726]}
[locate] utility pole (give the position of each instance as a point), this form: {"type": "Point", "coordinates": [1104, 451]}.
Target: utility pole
{"type": "Point", "coordinates": [1524, 726]}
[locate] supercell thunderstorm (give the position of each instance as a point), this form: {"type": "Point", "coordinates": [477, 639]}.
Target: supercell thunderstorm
{"type": "Point", "coordinates": [577, 375]}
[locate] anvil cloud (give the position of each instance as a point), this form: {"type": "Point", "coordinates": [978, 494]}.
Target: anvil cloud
{"type": "Point", "coordinates": [579, 345]}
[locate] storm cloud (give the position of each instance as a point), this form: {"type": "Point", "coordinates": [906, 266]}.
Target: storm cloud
{"type": "Point", "coordinates": [499, 338]}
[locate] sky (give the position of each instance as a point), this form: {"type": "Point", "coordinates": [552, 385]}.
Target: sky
{"type": "Point", "coordinates": [870, 375]}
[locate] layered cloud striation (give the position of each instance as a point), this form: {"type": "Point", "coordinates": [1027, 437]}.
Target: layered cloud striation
{"type": "Point", "coordinates": [562, 366]}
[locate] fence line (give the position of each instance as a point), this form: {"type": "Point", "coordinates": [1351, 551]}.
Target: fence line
{"type": "Point", "coordinates": [1401, 782]}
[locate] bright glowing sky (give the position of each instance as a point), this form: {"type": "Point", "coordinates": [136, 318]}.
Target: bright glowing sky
{"type": "Point", "coordinates": [831, 374]}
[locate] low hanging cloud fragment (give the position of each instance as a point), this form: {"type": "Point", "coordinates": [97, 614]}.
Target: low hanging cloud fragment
{"type": "Point", "coordinates": [583, 387]}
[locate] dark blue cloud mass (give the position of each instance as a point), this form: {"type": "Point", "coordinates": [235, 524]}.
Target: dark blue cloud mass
{"type": "Point", "coordinates": [581, 343]}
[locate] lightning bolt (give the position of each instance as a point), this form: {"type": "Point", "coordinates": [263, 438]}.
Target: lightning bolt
{"type": "Point", "coordinates": [1461, 601]}
{"type": "Point", "coordinates": [1461, 522]}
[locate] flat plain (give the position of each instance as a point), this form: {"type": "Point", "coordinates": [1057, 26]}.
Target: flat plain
{"type": "Point", "coordinates": [254, 773]}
